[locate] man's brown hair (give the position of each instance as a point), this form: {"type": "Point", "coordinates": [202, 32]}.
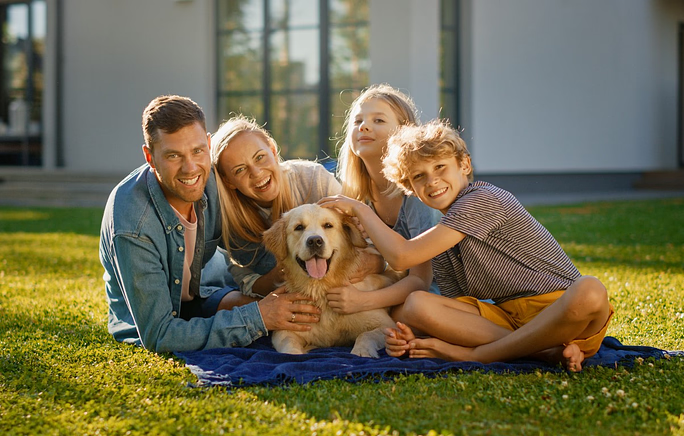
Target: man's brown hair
{"type": "Point", "coordinates": [169, 114]}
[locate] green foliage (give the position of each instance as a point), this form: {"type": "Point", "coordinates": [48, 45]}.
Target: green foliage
{"type": "Point", "coordinates": [62, 373]}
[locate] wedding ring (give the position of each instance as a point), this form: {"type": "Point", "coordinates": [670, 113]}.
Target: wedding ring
{"type": "Point", "coordinates": [293, 318]}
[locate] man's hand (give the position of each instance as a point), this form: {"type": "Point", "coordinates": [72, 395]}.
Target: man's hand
{"type": "Point", "coordinates": [280, 312]}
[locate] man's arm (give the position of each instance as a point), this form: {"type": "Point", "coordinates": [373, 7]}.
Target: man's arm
{"type": "Point", "coordinates": [137, 268]}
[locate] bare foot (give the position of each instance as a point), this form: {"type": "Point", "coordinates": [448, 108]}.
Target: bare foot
{"type": "Point", "coordinates": [433, 347]}
{"type": "Point", "coordinates": [573, 358]}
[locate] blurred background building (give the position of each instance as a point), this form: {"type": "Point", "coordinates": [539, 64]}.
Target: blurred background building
{"type": "Point", "coordinates": [590, 89]}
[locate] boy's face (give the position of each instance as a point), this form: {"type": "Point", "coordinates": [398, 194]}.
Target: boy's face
{"type": "Point", "coordinates": [437, 182]}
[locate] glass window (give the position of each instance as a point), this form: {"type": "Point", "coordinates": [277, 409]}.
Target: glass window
{"type": "Point", "coordinates": [294, 119]}
{"type": "Point", "coordinates": [350, 61]}
{"type": "Point", "coordinates": [294, 60]}
{"type": "Point", "coordinates": [287, 14]}
{"type": "Point", "coordinates": [21, 82]}
{"type": "Point", "coordinates": [240, 66]}
{"type": "Point", "coordinates": [285, 62]}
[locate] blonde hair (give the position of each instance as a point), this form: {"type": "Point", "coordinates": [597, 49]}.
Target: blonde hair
{"type": "Point", "coordinates": [351, 171]}
{"type": "Point", "coordinates": [435, 139]}
{"type": "Point", "coordinates": [240, 214]}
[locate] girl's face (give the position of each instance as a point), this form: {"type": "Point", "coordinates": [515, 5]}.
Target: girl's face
{"type": "Point", "coordinates": [437, 182]}
{"type": "Point", "coordinates": [249, 164]}
{"type": "Point", "coordinates": [372, 122]}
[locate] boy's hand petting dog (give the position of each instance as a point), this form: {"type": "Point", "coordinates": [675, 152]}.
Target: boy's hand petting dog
{"type": "Point", "coordinates": [280, 312]}
{"type": "Point", "coordinates": [397, 341]}
{"type": "Point", "coordinates": [344, 205]}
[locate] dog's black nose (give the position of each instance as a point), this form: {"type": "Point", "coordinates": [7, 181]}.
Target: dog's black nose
{"type": "Point", "coordinates": [314, 242]}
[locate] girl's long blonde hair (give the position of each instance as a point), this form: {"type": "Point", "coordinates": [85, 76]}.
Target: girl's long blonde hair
{"type": "Point", "coordinates": [351, 171]}
{"type": "Point", "coordinates": [240, 215]}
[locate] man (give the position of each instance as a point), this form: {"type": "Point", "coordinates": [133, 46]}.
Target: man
{"type": "Point", "coordinates": [161, 226]}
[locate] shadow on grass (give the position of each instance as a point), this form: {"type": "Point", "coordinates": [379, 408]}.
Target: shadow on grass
{"type": "Point", "coordinates": [82, 221]}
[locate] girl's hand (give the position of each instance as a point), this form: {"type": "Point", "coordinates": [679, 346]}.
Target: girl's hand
{"type": "Point", "coordinates": [345, 205]}
{"type": "Point", "coordinates": [345, 299]}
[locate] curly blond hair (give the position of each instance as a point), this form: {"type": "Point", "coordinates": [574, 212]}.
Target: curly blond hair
{"type": "Point", "coordinates": [435, 139]}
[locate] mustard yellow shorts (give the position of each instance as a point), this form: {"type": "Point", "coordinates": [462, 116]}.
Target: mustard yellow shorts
{"type": "Point", "coordinates": [514, 314]}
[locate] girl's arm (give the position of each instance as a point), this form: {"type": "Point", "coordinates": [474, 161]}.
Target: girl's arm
{"type": "Point", "coordinates": [400, 253]}
{"type": "Point", "coordinates": [348, 299]}
{"type": "Point", "coordinates": [253, 284]}
{"type": "Point", "coordinates": [265, 284]}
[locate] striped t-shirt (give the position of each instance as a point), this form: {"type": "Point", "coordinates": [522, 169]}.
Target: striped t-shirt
{"type": "Point", "coordinates": [506, 253]}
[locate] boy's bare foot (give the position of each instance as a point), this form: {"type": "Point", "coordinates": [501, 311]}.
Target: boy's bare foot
{"type": "Point", "coordinates": [433, 347]}
{"type": "Point", "coordinates": [573, 358]}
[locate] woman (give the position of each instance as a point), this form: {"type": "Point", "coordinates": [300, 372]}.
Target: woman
{"type": "Point", "coordinates": [255, 188]}
{"type": "Point", "coordinates": [371, 119]}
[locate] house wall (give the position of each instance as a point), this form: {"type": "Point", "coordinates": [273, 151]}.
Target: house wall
{"type": "Point", "coordinates": [404, 49]}
{"type": "Point", "coordinates": [582, 86]}
{"type": "Point", "coordinates": [548, 86]}
{"type": "Point", "coordinates": [119, 55]}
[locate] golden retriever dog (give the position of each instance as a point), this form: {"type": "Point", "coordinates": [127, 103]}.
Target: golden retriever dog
{"type": "Point", "coordinates": [318, 249]}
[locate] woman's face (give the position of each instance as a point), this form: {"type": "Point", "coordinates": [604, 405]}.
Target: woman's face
{"type": "Point", "coordinates": [372, 123]}
{"type": "Point", "coordinates": [249, 164]}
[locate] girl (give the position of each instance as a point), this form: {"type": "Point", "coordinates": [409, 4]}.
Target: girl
{"type": "Point", "coordinates": [371, 119]}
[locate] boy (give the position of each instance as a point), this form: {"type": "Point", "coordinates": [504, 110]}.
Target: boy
{"type": "Point", "coordinates": [486, 246]}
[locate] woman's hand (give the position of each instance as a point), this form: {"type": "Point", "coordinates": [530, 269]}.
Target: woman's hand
{"type": "Point", "coordinates": [280, 312]}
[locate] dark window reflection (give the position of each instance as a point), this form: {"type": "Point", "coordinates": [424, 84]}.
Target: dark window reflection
{"type": "Point", "coordinates": [21, 82]}
{"type": "Point", "coordinates": [281, 63]}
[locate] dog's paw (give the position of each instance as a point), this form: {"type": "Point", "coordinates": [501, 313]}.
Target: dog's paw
{"type": "Point", "coordinates": [365, 351]}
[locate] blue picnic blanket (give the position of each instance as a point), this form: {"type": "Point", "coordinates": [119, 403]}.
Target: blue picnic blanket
{"type": "Point", "coordinates": [260, 364]}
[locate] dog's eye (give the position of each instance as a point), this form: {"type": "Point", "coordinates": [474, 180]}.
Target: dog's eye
{"type": "Point", "coordinates": [327, 226]}
{"type": "Point", "coordinates": [299, 227]}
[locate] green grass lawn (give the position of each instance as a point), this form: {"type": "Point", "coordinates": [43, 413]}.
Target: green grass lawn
{"type": "Point", "coordinates": [61, 372]}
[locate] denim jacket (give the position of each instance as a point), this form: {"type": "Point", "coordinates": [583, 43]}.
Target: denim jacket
{"type": "Point", "coordinates": [141, 250]}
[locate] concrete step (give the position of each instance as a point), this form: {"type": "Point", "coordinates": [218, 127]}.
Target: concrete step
{"type": "Point", "coordinates": [36, 187]}
{"type": "Point", "coordinates": [661, 180]}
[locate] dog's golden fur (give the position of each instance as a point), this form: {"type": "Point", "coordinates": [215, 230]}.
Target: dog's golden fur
{"type": "Point", "coordinates": [318, 248]}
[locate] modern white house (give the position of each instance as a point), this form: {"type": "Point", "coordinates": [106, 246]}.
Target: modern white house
{"type": "Point", "coordinates": [591, 88]}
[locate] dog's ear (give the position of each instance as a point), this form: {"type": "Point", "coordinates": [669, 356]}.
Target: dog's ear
{"type": "Point", "coordinates": [275, 239]}
{"type": "Point", "coordinates": [355, 235]}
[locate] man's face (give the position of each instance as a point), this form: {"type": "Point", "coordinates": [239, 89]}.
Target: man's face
{"type": "Point", "coordinates": [181, 162]}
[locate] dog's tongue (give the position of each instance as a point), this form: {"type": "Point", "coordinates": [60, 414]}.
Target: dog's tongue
{"type": "Point", "coordinates": [316, 267]}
